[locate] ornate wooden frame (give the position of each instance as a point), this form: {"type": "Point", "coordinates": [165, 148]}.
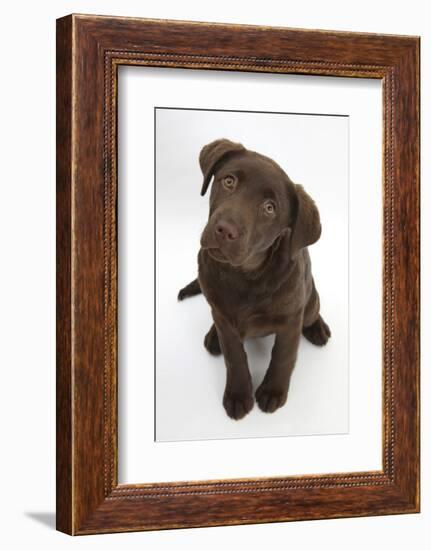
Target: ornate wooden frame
{"type": "Point", "coordinates": [89, 51]}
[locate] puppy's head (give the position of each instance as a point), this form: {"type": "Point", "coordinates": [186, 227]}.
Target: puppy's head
{"type": "Point", "coordinates": [252, 203]}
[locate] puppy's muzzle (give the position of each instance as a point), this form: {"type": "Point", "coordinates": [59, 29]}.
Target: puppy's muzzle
{"type": "Point", "coordinates": [225, 232]}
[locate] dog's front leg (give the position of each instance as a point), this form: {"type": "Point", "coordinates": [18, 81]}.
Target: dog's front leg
{"type": "Point", "coordinates": [272, 393]}
{"type": "Point", "coordinates": [238, 395]}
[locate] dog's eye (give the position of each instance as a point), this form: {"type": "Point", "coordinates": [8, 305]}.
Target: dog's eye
{"type": "Point", "coordinates": [229, 182]}
{"type": "Point", "coordinates": [269, 207]}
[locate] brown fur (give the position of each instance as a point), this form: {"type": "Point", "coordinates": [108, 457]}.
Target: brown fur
{"type": "Point", "coordinates": [255, 270]}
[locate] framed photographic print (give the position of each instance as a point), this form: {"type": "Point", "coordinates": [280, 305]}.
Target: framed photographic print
{"type": "Point", "coordinates": [237, 274]}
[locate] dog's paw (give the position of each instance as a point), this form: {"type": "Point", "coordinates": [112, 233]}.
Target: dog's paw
{"type": "Point", "coordinates": [318, 333]}
{"type": "Point", "coordinates": [211, 342]}
{"type": "Point", "coordinates": [191, 289]}
{"type": "Point", "coordinates": [183, 293]}
{"type": "Point", "coordinates": [237, 405]}
{"type": "Point", "coordinates": [270, 399]}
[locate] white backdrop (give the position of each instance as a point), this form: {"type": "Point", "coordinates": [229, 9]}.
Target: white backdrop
{"type": "Point", "coordinates": [315, 152]}
{"type": "Point", "coordinates": [27, 289]}
{"type": "Point", "coordinates": [189, 381]}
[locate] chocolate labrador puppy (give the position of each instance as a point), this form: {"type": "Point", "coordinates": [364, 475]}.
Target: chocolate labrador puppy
{"type": "Point", "coordinates": [255, 270]}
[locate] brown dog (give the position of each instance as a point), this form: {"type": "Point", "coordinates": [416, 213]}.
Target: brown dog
{"type": "Point", "coordinates": [255, 270]}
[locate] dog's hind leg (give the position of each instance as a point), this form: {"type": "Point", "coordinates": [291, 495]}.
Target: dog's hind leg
{"type": "Point", "coordinates": [191, 289]}
{"type": "Point", "coordinates": [315, 329]}
{"type": "Point", "coordinates": [318, 333]}
{"type": "Point", "coordinates": [211, 341]}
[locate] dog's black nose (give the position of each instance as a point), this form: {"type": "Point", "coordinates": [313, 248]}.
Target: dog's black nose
{"type": "Point", "coordinates": [226, 231]}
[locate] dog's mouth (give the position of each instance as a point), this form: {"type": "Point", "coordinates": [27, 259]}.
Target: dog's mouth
{"type": "Point", "coordinates": [216, 251]}
{"type": "Point", "coordinates": [217, 254]}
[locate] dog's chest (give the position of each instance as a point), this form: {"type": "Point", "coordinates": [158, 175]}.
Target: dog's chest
{"type": "Point", "coordinates": [253, 310]}
{"type": "Point", "coordinates": [255, 307]}
{"type": "Point", "coordinates": [260, 316]}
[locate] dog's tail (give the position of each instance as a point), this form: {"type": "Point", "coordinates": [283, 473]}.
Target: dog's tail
{"type": "Point", "coordinates": [191, 289]}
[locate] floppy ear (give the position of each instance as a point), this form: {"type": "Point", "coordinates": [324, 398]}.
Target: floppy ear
{"type": "Point", "coordinates": [211, 154]}
{"type": "Point", "coordinates": [306, 227]}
